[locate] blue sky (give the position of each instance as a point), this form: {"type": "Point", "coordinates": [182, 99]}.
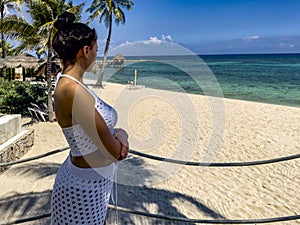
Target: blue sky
{"type": "Point", "coordinates": [212, 26]}
{"type": "Point", "coordinates": [207, 26]}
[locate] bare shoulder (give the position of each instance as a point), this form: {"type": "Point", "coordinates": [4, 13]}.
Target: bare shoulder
{"type": "Point", "coordinates": [69, 96]}
{"type": "Point", "coordinates": [65, 91]}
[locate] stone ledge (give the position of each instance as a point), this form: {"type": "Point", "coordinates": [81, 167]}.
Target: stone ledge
{"type": "Point", "coordinates": [10, 125]}
{"type": "Point", "coordinates": [16, 147]}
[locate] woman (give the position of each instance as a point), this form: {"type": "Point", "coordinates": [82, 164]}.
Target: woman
{"type": "Point", "coordinates": [83, 183]}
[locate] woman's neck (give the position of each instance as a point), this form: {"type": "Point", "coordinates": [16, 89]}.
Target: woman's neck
{"type": "Point", "coordinates": [75, 71]}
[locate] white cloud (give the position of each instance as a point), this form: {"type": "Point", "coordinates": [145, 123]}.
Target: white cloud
{"type": "Point", "coordinates": [152, 40]}
{"type": "Point", "coordinates": [166, 38]}
{"type": "Point", "coordinates": [127, 43]}
{"type": "Point", "coordinates": [251, 38]}
{"type": "Point", "coordinates": [284, 45]}
{"type": "Point", "coordinates": [156, 41]}
{"type": "Point", "coordinates": [153, 46]}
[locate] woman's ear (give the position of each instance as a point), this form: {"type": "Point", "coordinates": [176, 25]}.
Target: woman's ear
{"type": "Point", "coordinates": [85, 51]}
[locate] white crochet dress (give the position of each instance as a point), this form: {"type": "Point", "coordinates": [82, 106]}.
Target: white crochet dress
{"type": "Point", "coordinates": [81, 195]}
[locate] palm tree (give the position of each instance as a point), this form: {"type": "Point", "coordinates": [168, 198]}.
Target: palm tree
{"type": "Point", "coordinates": [39, 33]}
{"type": "Point", "coordinates": [21, 30]}
{"type": "Point", "coordinates": [5, 7]}
{"type": "Point", "coordinates": [106, 10]}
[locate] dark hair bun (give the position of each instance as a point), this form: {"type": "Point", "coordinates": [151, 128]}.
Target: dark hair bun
{"type": "Point", "coordinates": [64, 21]}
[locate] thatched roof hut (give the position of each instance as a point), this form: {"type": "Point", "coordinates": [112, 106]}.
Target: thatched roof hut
{"type": "Point", "coordinates": [118, 60]}
{"type": "Point", "coordinates": [24, 60]}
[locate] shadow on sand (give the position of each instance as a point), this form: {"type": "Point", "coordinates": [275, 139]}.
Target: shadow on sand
{"type": "Point", "coordinates": [141, 196]}
{"type": "Point", "coordinates": [19, 206]}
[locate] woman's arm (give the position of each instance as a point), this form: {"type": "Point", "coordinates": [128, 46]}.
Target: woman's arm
{"type": "Point", "coordinates": [84, 113]}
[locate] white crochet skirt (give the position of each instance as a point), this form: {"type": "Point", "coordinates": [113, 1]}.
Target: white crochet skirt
{"type": "Point", "coordinates": [81, 195]}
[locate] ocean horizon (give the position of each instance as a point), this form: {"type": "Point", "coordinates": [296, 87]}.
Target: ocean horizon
{"type": "Point", "coordinates": [266, 78]}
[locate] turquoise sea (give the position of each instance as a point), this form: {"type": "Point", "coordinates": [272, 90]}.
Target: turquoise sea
{"type": "Point", "coordinates": [268, 78]}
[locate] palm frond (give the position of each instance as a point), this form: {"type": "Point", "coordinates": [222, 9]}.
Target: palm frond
{"type": "Point", "coordinates": [105, 8]}
{"type": "Point", "coordinates": [95, 6]}
{"type": "Point", "coordinates": [77, 10]}
{"type": "Point", "coordinates": [125, 4]}
{"type": "Point", "coordinates": [23, 47]}
{"type": "Point", "coordinates": [39, 12]}
{"type": "Point", "coordinates": [52, 4]}
{"type": "Point", "coordinates": [98, 12]}
{"type": "Point", "coordinates": [45, 29]}
{"type": "Point", "coordinates": [15, 27]}
{"type": "Point", "coordinates": [106, 17]}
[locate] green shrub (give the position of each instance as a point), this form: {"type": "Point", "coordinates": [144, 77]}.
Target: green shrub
{"type": "Point", "coordinates": [16, 96]}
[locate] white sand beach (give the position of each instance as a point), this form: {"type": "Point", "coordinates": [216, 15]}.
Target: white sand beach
{"type": "Point", "coordinates": [185, 127]}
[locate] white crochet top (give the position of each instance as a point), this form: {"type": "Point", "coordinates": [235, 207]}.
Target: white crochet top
{"type": "Point", "coordinates": [80, 143]}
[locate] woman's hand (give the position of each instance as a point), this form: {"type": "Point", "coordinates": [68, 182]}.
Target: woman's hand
{"type": "Point", "coordinates": [123, 152]}
{"type": "Point", "coordinates": [122, 136]}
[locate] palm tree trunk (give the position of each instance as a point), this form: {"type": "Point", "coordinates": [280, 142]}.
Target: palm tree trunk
{"type": "Point", "coordinates": [49, 85]}
{"type": "Point", "coordinates": [3, 45]}
{"type": "Point", "coordinates": [99, 82]}
{"type": "Point", "coordinates": [2, 38]}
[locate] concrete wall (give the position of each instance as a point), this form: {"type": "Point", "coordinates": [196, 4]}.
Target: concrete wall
{"type": "Point", "coordinates": [16, 147]}
{"type": "Point", "coordinates": [14, 141]}
{"type": "Point", "coordinates": [10, 125]}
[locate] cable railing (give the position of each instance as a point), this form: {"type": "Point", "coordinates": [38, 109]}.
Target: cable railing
{"type": "Point", "coordinates": [164, 217]}
{"type": "Point", "coordinates": [171, 218]}
{"type": "Point", "coordinates": [175, 161]}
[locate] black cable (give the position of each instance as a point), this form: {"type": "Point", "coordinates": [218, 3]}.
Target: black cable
{"type": "Point", "coordinates": [181, 219]}
{"type": "Point", "coordinates": [172, 218]}
{"type": "Point", "coordinates": [27, 219]}
{"type": "Point", "coordinates": [34, 157]}
{"type": "Point", "coordinates": [158, 158]}
{"type": "Point", "coordinates": [209, 164]}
